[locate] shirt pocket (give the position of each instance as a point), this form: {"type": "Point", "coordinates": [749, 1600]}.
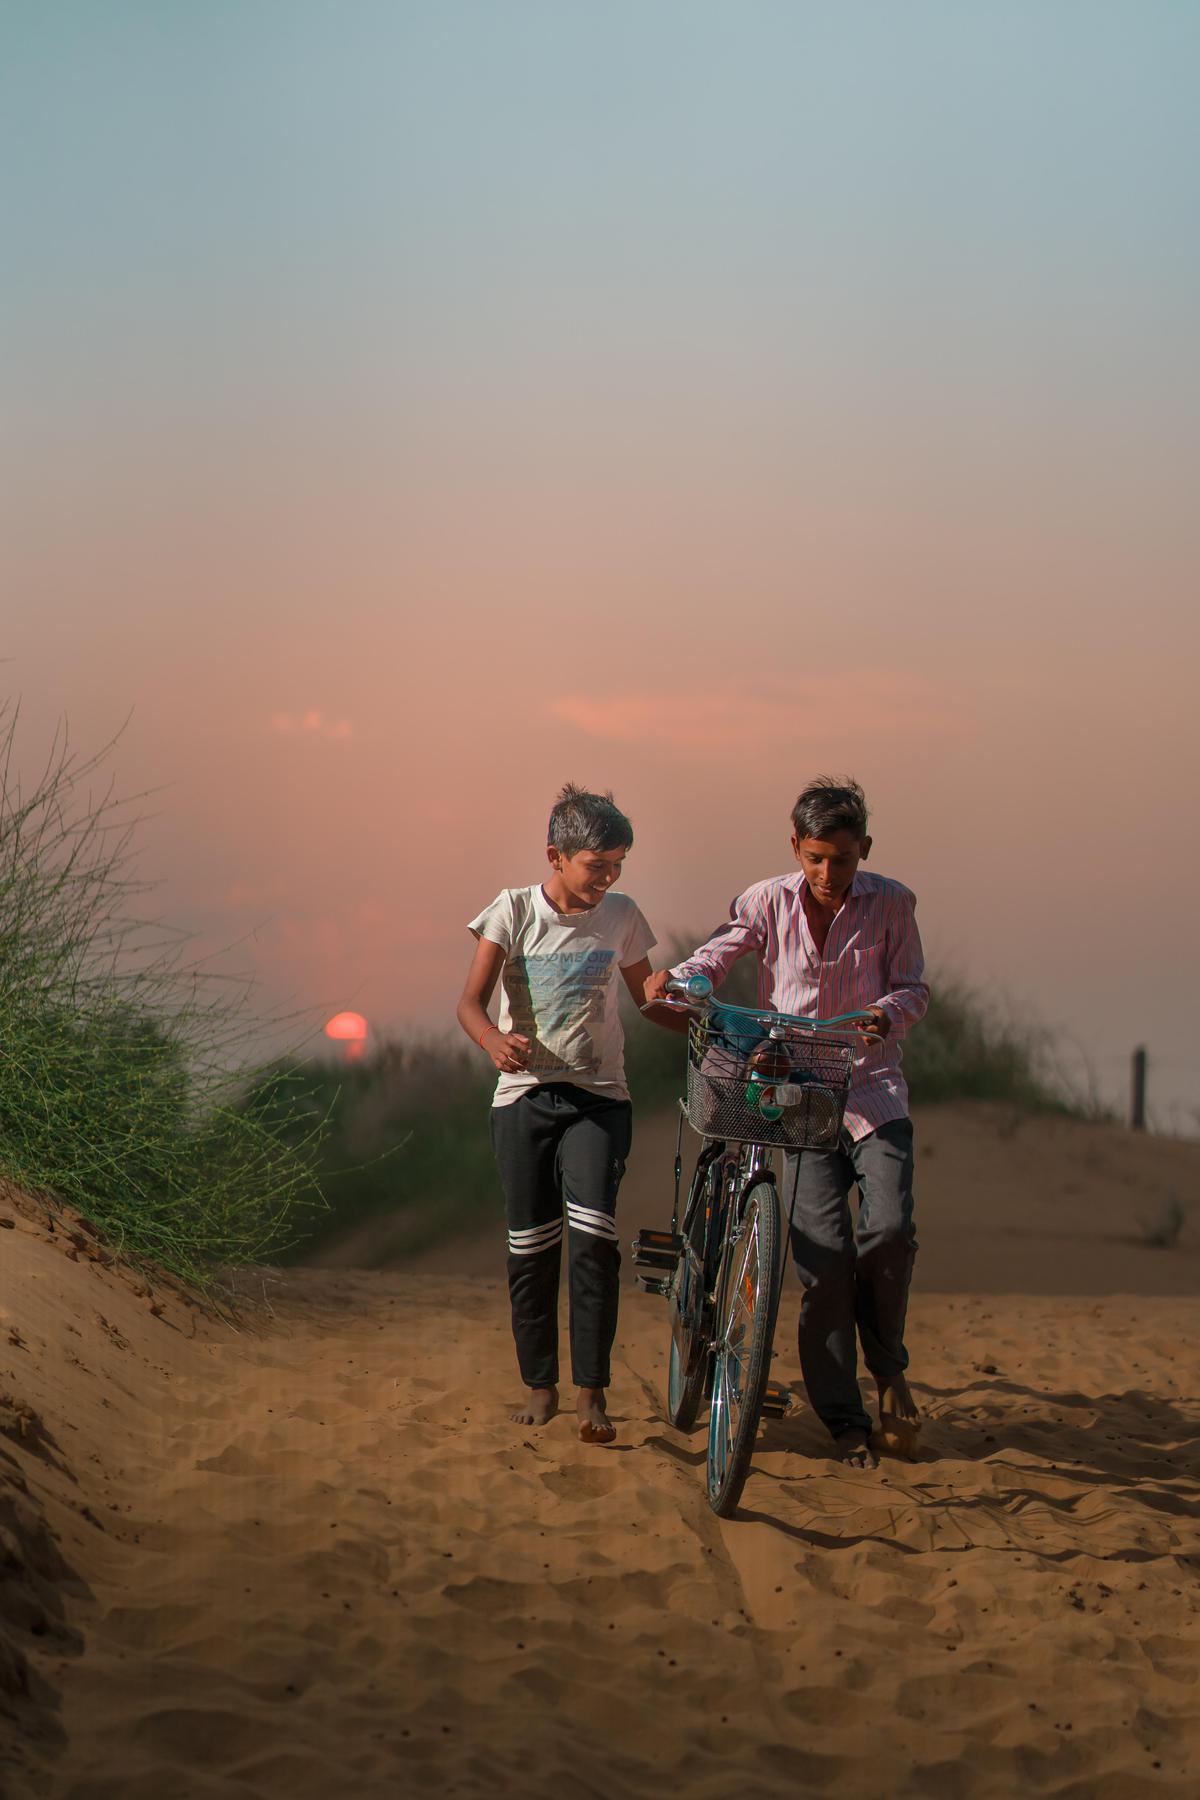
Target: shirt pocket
{"type": "Point", "coordinates": [869, 972]}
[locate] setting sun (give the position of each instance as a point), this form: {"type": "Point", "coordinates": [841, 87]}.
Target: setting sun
{"type": "Point", "coordinates": [349, 1029]}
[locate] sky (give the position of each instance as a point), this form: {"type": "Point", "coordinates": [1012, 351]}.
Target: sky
{"type": "Point", "coordinates": [409, 407]}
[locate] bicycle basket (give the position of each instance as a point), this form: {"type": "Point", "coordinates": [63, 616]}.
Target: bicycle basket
{"type": "Point", "coordinates": [723, 1102]}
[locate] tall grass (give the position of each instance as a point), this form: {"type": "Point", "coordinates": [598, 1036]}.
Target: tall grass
{"type": "Point", "coordinates": [966, 1048]}
{"type": "Point", "coordinates": [121, 1061]}
{"type": "Point", "coordinates": [404, 1146]}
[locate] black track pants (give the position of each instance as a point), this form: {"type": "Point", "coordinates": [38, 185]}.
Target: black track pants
{"type": "Point", "coordinates": [560, 1145]}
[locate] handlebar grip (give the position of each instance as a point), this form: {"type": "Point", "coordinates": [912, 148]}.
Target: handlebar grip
{"type": "Point", "coordinates": [696, 987]}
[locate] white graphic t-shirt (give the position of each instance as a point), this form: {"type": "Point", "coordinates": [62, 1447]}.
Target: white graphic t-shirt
{"type": "Point", "coordinates": [559, 986]}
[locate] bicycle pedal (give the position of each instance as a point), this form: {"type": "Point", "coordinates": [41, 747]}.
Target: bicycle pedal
{"type": "Point", "coordinates": [657, 1249]}
{"type": "Point", "coordinates": [777, 1400]}
{"type": "Point", "coordinates": [654, 1284]}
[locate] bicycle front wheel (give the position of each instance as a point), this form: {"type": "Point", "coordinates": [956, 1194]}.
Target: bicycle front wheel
{"type": "Point", "coordinates": [745, 1326]}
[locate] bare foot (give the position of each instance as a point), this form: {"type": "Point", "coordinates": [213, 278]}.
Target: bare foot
{"type": "Point", "coordinates": [899, 1417]}
{"type": "Point", "coordinates": [595, 1426]}
{"type": "Point", "coordinates": [541, 1406]}
{"type": "Point", "coordinates": [854, 1449]}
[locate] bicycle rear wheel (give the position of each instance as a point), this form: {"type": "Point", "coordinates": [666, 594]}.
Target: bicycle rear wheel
{"type": "Point", "coordinates": [691, 1327]}
{"type": "Point", "coordinates": [745, 1326]}
{"type": "Point", "coordinates": [685, 1393]}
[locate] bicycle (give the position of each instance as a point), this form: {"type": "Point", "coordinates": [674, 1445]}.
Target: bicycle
{"type": "Point", "coordinates": [757, 1081]}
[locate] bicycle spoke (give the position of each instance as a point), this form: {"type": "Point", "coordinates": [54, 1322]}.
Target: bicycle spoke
{"type": "Point", "coordinates": [738, 1300]}
{"type": "Point", "coordinates": [738, 1331]}
{"type": "Point", "coordinates": [719, 1425]}
{"type": "Point", "coordinates": [739, 1304]}
{"type": "Point", "coordinates": [728, 1433]}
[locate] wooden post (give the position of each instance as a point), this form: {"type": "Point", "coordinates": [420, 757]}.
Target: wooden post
{"type": "Point", "coordinates": [1137, 1106]}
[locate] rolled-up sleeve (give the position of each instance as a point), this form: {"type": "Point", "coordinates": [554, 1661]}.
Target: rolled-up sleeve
{"type": "Point", "coordinates": [908, 993]}
{"type": "Point", "coordinates": [745, 931]}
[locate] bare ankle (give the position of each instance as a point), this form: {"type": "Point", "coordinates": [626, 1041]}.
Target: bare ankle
{"type": "Point", "coordinates": [895, 1396]}
{"type": "Point", "coordinates": [854, 1448]}
{"type": "Point", "coordinates": [538, 1408]}
{"type": "Point", "coordinates": [595, 1426]}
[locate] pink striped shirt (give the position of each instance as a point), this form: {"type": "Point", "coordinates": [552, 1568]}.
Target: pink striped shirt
{"type": "Point", "coordinates": [872, 957]}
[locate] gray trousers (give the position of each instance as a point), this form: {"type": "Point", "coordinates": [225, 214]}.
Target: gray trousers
{"type": "Point", "coordinates": [852, 1278]}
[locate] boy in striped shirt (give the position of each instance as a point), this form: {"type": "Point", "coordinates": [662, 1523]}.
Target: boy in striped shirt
{"type": "Point", "coordinates": [835, 939]}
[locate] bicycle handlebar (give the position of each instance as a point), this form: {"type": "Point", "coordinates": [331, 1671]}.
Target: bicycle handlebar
{"type": "Point", "coordinates": [696, 987]}
{"type": "Point", "coordinates": [696, 993]}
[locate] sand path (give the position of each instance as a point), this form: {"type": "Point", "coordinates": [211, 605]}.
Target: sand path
{"type": "Point", "coordinates": [310, 1557]}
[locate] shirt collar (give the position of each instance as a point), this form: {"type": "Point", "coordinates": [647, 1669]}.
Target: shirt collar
{"type": "Point", "coordinates": [858, 887]}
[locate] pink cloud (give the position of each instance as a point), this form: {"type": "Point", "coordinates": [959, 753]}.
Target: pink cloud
{"type": "Point", "coordinates": [866, 703]}
{"type": "Point", "coordinates": [312, 723]}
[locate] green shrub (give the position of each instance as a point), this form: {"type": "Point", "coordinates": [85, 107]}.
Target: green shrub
{"type": "Point", "coordinates": [120, 1061]}
{"type": "Point", "coordinates": [405, 1140]}
{"type": "Point", "coordinates": [964, 1049]}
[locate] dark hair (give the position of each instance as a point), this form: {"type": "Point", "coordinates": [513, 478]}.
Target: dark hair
{"type": "Point", "coordinates": [828, 805]}
{"type": "Point", "coordinates": [583, 821]}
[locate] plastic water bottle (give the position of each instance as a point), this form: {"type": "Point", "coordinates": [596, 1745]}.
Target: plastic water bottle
{"type": "Point", "coordinates": [760, 1098]}
{"type": "Point", "coordinates": [770, 1063]}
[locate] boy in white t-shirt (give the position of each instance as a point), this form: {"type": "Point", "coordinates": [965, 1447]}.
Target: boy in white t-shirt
{"type": "Point", "coordinates": [561, 1119]}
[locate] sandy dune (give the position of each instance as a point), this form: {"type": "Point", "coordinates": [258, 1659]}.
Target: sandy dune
{"type": "Point", "coordinates": [306, 1555]}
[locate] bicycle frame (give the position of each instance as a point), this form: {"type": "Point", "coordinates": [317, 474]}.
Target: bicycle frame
{"type": "Point", "coordinates": [749, 1164]}
{"type": "Point", "coordinates": [723, 1264]}
{"type": "Point", "coordinates": [753, 1166]}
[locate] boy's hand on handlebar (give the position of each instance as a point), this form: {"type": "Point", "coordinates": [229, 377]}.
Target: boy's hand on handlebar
{"type": "Point", "coordinates": [875, 1025]}
{"type": "Point", "coordinates": [662, 1006]}
{"type": "Point", "coordinates": [508, 1050]}
{"type": "Point", "coordinates": [655, 987]}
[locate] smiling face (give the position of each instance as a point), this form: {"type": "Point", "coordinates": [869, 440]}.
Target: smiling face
{"type": "Point", "coordinates": [830, 863]}
{"type": "Point", "coordinates": [583, 880]}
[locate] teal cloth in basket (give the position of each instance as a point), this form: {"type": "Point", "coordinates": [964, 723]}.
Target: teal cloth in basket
{"type": "Point", "coordinates": [738, 1035]}
{"type": "Point", "coordinates": [734, 1031]}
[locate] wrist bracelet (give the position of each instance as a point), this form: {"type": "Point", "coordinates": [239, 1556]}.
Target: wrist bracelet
{"type": "Point", "coordinates": [488, 1027]}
